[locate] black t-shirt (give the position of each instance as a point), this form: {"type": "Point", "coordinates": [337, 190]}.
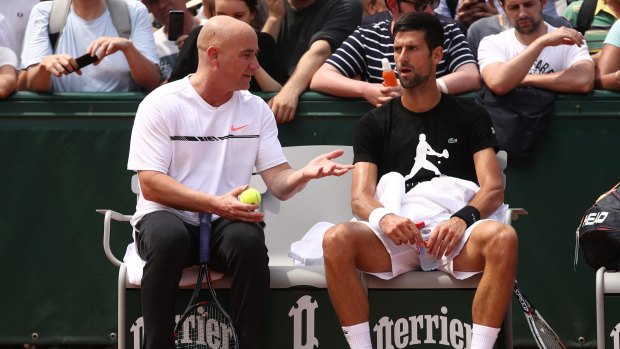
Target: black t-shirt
{"type": "Point", "coordinates": [330, 20]}
{"type": "Point", "coordinates": [187, 61]}
{"type": "Point", "coordinates": [455, 129]}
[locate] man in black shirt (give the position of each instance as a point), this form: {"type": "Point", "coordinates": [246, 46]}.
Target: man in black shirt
{"type": "Point", "coordinates": [419, 135]}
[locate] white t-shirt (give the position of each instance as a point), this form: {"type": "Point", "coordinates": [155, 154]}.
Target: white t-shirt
{"type": "Point", "coordinates": [7, 57]}
{"type": "Point", "coordinates": [112, 74]}
{"type": "Point", "coordinates": [168, 51]}
{"type": "Point", "coordinates": [16, 13]}
{"type": "Point", "coordinates": [6, 36]}
{"type": "Point", "coordinates": [504, 46]}
{"type": "Point", "coordinates": [210, 149]}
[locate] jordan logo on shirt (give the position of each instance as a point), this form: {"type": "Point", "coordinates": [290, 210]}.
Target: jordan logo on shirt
{"type": "Point", "coordinates": [421, 152]}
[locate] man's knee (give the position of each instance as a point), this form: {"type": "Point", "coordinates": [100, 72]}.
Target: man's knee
{"type": "Point", "coordinates": [247, 240]}
{"type": "Point", "coordinates": [337, 239]}
{"type": "Point", "coordinates": [504, 241]}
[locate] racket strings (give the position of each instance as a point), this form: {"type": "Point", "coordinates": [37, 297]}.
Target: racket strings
{"type": "Point", "coordinates": [205, 327]}
{"type": "Point", "coordinates": [546, 335]}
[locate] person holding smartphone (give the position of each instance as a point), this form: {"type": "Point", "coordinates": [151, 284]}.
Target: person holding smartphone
{"type": "Point", "coordinates": [247, 11]}
{"type": "Point", "coordinates": [122, 64]}
{"type": "Point", "coordinates": [177, 22]}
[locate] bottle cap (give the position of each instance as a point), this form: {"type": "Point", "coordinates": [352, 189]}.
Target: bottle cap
{"type": "Point", "coordinates": [385, 65]}
{"type": "Point", "coordinates": [420, 225]}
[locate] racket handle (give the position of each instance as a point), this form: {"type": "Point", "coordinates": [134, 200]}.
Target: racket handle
{"type": "Point", "coordinates": [204, 249]}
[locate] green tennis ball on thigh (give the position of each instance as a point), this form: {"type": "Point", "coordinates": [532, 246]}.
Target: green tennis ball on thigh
{"type": "Point", "coordinates": [250, 196]}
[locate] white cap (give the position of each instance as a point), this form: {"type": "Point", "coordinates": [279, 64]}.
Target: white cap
{"type": "Point", "coordinates": [385, 65]}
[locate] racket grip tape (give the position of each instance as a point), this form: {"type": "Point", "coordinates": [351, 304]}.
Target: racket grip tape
{"type": "Point", "coordinates": [204, 249]}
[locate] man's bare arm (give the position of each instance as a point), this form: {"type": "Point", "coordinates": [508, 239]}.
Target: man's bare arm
{"type": "Point", "coordinates": [329, 80]}
{"type": "Point", "coordinates": [579, 78]}
{"type": "Point", "coordinates": [284, 182]}
{"type": "Point", "coordinates": [503, 77]}
{"type": "Point", "coordinates": [491, 181]}
{"type": "Point", "coordinates": [8, 80]}
{"type": "Point", "coordinates": [363, 202]}
{"type": "Point", "coordinates": [465, 79]}
{"type": "Point", "coordinates": [165, 190]}
{"type": "Point", "coordinates": [284, 104]}
{"type": "Point", "coordinates": [446, 234]}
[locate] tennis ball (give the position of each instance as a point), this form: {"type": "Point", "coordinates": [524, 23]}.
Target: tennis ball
{"type": "Point", "coordinates": [250, 196]}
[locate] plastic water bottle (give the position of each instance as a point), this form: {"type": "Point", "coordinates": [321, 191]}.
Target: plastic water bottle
{"type": "Point", "coordinates": [427, 261]}
{"type": "Point", "coordinates": [389, 76]}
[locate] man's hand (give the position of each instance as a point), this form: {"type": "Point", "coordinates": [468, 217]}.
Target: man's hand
{"type": "Point", "coordinates": [377, 94]}
{"type": "Point", "coordinates": [400, 229]}
{"type": "Point", "coordinates": [181, 40]}
{"type": "Point", "coordinates": [106, 46]}
{"type": "Point", "coordinates": [323, 166]}
{"type": "Point", "coordinates": [563, 36]}
{"type": "Point", "coordinates": [470, 11]}
{"type": "Point", "coordinates": [60, 64]}
{"type": "Point", "coordinates": [446, 236]}
{"type": "Point", "coordinates": [228, 206]}
{"type": "Point", "coordinates": [276, 8]}
{"type": "Point", "coordinates": [284, 105]}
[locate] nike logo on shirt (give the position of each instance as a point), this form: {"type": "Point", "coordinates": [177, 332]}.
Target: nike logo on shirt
{"type": "Point", "coordinates": [233, 128]}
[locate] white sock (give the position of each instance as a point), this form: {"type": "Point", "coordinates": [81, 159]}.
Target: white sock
{"type": "Point", "coordinates": [358, 336]}
{"type": "Point", "coordinates": [483, 337]}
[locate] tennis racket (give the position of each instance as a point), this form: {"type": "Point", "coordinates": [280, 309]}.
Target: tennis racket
{"type": "Point", "coordinates": [205, 324]}
{"type": "Point", "coordinates": [543, 334]}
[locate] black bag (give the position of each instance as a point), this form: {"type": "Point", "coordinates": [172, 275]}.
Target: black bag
{"type": "Point", "coordinates": [599, 232]}
{"type": "Point", "coordinates": [520, 118]}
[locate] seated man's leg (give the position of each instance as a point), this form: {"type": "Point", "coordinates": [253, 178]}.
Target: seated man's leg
{"type": "Point", "coordinates": [492, 247]}
{"type": "Point", "coordinates": [346, 248]}
{"type": "Point", "coordinates": [168, 245]}
{"type": "Point", "coordinates": [239, 251]}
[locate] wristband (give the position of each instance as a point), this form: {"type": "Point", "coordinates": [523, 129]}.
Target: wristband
{"type": "Point", "coordinates": [469, 214]}
{"type": "Point", "coordinates": [376, 216]}
{"type": "Point", "coordinates": [442, 86]}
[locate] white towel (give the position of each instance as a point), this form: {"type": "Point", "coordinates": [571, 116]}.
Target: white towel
{"type": "Point", "coordinates": [135, 265]}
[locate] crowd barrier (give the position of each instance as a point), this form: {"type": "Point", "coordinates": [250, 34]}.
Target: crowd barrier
{"type": "Point", "coordinates": [64, 155]}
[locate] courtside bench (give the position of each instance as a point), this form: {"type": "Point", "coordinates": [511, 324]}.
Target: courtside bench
{"type": "Point", "coordinates": [328, 199]}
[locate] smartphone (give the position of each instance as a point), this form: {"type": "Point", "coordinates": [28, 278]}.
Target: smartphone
{"type": "Point", "coordinates": [85, 60]}
{"type": "Point", "coordinates": [175, 24]}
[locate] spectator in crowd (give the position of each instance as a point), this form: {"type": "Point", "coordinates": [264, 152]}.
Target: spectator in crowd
{"type": "Point", "coordinates": [8, 61]}
{"type": "Point", "coordinates": [8, 74]}
{"type": "Point", "coordinates": [168, 50]}
{"type": "Point", "coordinates": [371, 7]}
{"type": "Point", "coordinates": [535, 54]}
{"type": "Point", "coordinates": [497, 24]}
{"type": "Point", "coordinates": [354, 70]}
{"type": "Point", "coordinates": [523, 68]}
{"type": "Point", "coordinates": [464, 238]}
{"type": "Point", "coordinates": [608, 65]}
{"type": "Point", "coordinates": [206, 9]}
{"type": "Point", "coordinates": [16, 13]}
{"type": "Point", "coordinates": [306, 33]}
{"type": "Point", "coordinates": [467, 12]}
{"type": "Point", "coordinates": [179, 179]}
{"type": "Point", "coordinates": [597, 17]}
{"type": "Point", "coordinates": [123, 64]}
{"type": "Point", "coordinates": [246, 11]}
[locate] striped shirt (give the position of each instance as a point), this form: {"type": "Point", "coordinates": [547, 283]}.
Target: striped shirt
{"type": "Point", "coordinates": [361, 53]}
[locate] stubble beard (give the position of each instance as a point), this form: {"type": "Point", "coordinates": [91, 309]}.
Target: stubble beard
{"type": "Point", "coordinates": [415, 81]}
{"type": "Point", "coordinates": [531, 29]}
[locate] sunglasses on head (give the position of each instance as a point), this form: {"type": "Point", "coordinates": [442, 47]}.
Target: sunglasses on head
{"type": "Point", "coordinates": [420, 5]}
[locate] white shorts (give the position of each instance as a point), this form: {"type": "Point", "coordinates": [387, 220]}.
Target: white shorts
{"type": "Point", "coordinates": [406, 258]}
